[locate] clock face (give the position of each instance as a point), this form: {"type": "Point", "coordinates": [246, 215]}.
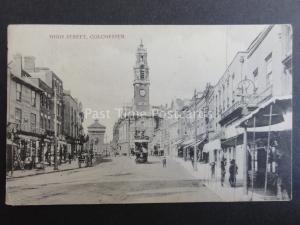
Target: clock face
{"type": "Point", "coordinates": [142, 92]}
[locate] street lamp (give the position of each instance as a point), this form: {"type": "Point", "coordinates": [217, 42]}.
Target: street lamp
{"type": "Point", "coordinates": [43, 136]}
{"type": "Point", "coordinates": [246, 92]}
{"type": "Point", "coordinates": [14, 137]}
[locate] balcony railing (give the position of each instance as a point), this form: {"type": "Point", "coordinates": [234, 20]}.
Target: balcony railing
{"type": "Point", "coordinates": [232, 108]}
{"type": "Point", "coordinates": [261, 97]}
{"type": "Point", "coordinates": [28, 128]}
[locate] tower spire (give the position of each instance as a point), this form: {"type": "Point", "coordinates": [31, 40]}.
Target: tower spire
{"type": "Point", "coordinates": [142, 45]}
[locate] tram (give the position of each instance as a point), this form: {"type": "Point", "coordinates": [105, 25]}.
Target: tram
{"type": "Point", "coordinates": [141, 151]}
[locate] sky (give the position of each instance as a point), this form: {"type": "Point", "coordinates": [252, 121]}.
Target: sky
{"type": "Point", "coordinates": [99, 71]}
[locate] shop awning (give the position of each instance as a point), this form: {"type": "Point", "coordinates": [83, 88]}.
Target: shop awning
{"type": "Point", "coordinates": [281, 112]}
{"type": "Point", "coordinates": [188, 142]}
{"type": "Point", "coordinates": [141, 141]}
{"type": "Point", "coordinates": [212, 145]}
{"type": "Point", "coordinates": [178, 142]}
{"type": "Point", "coordinates": [193, 143]}
{"type": "Point", "coordinates": [9, 142]}
{"type": "Point", "coordinates": [28, 138]}
{"type": "Point", "coordinates": [286, 124]}
{"type": "Point", "coordinates": [62, 142]}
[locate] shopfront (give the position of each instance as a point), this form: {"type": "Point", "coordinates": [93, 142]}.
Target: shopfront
{"type": "Point", "coordinates": [179, 148]}
{"type": "Point", "coordinates": [187, 149]}
{"type": "Point", "coordinates": [213, 149]}
{"type": "Point", "coordinates": [269, 161]}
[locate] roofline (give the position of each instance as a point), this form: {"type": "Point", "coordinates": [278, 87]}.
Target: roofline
{"type": "Point", "coordinates": [258, 40]}
{"type": "Point", "coordinates": [226, 70]}
{"type": "Point", "coordinates": [26, 82]}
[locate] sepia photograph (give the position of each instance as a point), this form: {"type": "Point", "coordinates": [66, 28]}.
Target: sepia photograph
{"type": "Point", "coordinates": [123, 114]}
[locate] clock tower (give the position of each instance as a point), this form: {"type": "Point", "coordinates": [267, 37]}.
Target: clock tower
{"type": "Point", "coordinates": [141, 81]}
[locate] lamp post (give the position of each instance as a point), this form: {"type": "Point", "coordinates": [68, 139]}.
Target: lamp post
{"type": "Point", "coordinates": [14, 136]}
{"type": "Point", "coordinates": [244, 86]}
{"type": "Point", "coordinates": [44, 134]}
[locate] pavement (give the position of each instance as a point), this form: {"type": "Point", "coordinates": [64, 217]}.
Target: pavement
{"type": "Point", "coordinates": [115, 180]}
{"type": "Point", "coordinates": [226, 192]}
{"type": "Point", "coordinates": [47, 169]}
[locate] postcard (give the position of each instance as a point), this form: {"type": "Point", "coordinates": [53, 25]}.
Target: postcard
{"type": "Point", "coordinates": [118, 114]}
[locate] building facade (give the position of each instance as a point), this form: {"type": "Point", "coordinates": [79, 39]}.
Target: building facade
{"type": "Point", "coordinates": [96, 132]}
{"type": "Point", "coordinates": [23, 113]}
{"type": "Point", "coordinates": [55, 102]}
{"type": "Point", "coordinates": [256, 76]}
{"type": "Point", "coordinates": [72, 123]}
{"type": "Point", "coordinates": [35, 115]}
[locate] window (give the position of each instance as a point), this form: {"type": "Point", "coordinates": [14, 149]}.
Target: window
{"type": "Point", "coordinates": [47, 103]}
{"type": "Point", "coordinates": [19, 92]}
{"type": "Point", "coordinates": [42, 122]}
{"type": "Point", "coordinates": [58, 110]}
{"type": "Point", "coordinates": [142, 75]}
{"type": "Point", "coordinates": [58, 129]}
{"type": "Point", "coordinates": [268, 61]}
{"type": "Point", "coordinates": [49, 126]}
{"type": "Point", "coordinates": [33, 122]}
{"type": "Point", "coordinates": [232, 76]}
{"type": "Point", "coordinates": [18, 116]}
{"type": "Point", "coordinates": [33, 98]}
{"type": "Point", "coordinates": [45, 123]}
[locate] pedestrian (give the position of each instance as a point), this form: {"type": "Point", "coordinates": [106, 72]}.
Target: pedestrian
{"type": "Point", "coordinates": [283, 174]}
{"type": "Point", "coordinates": [212, 169]}
{"type": "Point", "coordinates": [223, 171]}
{"type": "Point", "coordinates": [164, 161]}
{"type": "Point", "coordinates": [70, 158]}
{"type": "Point", "coordinates": [233, 170]}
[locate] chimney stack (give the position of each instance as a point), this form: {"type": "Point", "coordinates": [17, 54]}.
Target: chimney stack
{"type": "Point", "coordinates": [17, 65]}
{"type": "Point", "coordinates": [29, 63]}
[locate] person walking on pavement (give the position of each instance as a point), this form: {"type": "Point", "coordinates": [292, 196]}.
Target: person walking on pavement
{"type": "Point", "coordinates": [164, 161]}
{"type": "Point", "coordinates": [70, 158]}
{"type": "Point", "coordinates": [223, 171]}
{"type": "Point", "coordinates": [212, 169]}
{"type": "Point", "coordinates": [233, 170]}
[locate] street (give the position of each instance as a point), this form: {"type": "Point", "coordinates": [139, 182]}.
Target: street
{"type": "Point", "coordinates": [116, 180]}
